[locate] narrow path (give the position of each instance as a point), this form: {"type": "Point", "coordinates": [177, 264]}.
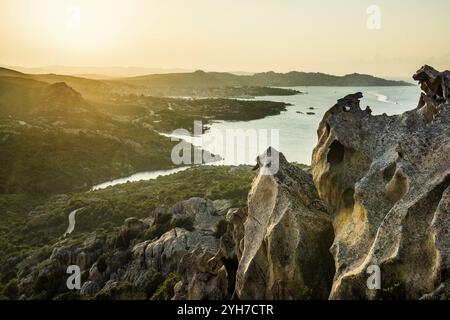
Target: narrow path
{"type": "Point", "coordinates": [72, 222]}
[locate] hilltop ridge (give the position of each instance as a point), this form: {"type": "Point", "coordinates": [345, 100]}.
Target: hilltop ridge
{"type": "Point", "coordinates": [204, 84]}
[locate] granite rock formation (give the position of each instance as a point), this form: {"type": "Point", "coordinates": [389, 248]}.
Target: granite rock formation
{"type": "Point", "coordinates": [386, 182]}
{"type": "Point", "coordinates": [286, 238]}
{"type": "Point", "coordinates": [378, 197]}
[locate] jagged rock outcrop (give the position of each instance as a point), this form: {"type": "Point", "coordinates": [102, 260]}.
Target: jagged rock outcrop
{"type": "Point", "coordinates": [123, 264]}
{"type": "Point", "coordinates": [186, 252]}
{"type": "Point", "coordinates": [204, 213]}
{"type": "Point", "coordinates": [199, 280]}
{"type": "Point", "coordinates": [386, 181]}
{"type": "Point", "coordinates": [166, 253]}
{"type": "Point", "coordinates": [379, 195]}
{"type": "Point", "coordinates": [286, 238]}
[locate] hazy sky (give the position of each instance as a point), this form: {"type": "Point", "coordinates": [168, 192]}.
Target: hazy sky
{"type": "Point", "coordinates": [227, 35]}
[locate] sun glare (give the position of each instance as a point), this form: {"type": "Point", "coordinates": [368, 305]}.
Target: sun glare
{"type": "Point", "coordinates": [79, 25]}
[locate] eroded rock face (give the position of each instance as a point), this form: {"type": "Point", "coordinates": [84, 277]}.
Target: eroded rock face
{"type": "Point", "coordinates": [287, 235]}
{"type": "Point", "coordinates": [386, 181]}
{"type": "Point", "coordinates": [166, 253]}
{"type": "Point", "coordinates": [379, 195]}
{"type": "Point", "coordinates": [126, 260]}
{"type": "Point", "coordinates": [204, 213]}
{"type": "Point", "coordinates": [199, 281]}
{"type": "Point", "coordinates": [212, 275]}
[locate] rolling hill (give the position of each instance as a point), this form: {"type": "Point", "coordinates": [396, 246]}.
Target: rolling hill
{"type": "Point", "coordinates": [55, 138]}
{"type": "Point", "coordinates": [205, 84]}
{"type": "Point", "coordinates": [269, 79]}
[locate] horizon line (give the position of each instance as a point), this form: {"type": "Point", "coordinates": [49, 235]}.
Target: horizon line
{"type": "Point", "coordinates": [191, 70]}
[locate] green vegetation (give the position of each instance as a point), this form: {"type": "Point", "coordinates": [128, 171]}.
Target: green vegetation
{"type": "Point", "coordinates": [304, 294]}
{"type": "Point", "coordinates": [109, 207]}
{"type": "Point", "coordinates": [244, 91]}
{"type": "Point", "coordinates": [101, 264]}
{"type": "Point", "coordinates": [204, 84]}
{"type": "Point", "coordinates": [11, 290]}
{"type": "Point", "coordinates": [53, 140]}
{"type": "Point", "coordinates": [14, 209]}
{"type": "Point", "coordinates": [156, 231]}
{"type": "Point", "coordinates": [180, 83]}
{"type": "Point", "coordinates": [34, 224]}
{"type": "Point", "coordinates": [156, 287]}
{"type": "Point", "coordinates": [165, 290]}
{"type": "Point", "coordinates": [162, 226]}
{"type": "Point", "coordinates": [184, 223]}
{"type": "Point", "coordinates": [302, 166]}
{"type": "Point", "coordinates": [105, 210]}
{"type": "Point", "coordinates": [168, 114]}
{"type": "Point", "coordinates": [58, 139]}
{"type": "Point", "coordinates": [49, 283]}
{"type": "Point", "coordinates": [122, 291]}
{"type": "Point", "coordinates": [49, 161]}
{"type": "Point", "coordinates": [152, 284]}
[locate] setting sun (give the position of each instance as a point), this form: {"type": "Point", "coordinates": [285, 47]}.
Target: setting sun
{"type": "Point", "coordinates": [249, 35]}
{"type": "Point", "coordinates": [70, 27]}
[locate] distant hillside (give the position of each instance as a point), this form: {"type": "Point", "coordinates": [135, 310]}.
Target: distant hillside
{"type": "Point", "coordinates": [98, 72]}
{"type": "Point", "coordinates": [24, 97]}
{"type": "Point", "coordinates": [202, 84]}
{"type": "Point", "coordinates": [193, 79]}
{"type": "Point", "coordinates": [266, 79]}
{"type": "Point", "coordinates": [11, 73]}
{"type": "Point", "coordinates": [90, 88]}
{"type": "Point", "coordinates": [295, 78]}
{"type": "Point", "coordinates": [52, 139]}
{"type": "Point", "coordinates": [179, 77]}
{"type": "Point", "coordinates": [17, 94]}
{"type": "Point", "coordinates": [197, 84]}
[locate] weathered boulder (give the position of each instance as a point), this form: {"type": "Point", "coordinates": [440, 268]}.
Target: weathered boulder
{"type": "Point", "coordinates": [204, 213]}
{"type": "Point", "coordinates": [89, 288]}
{"type": "Point", "coordinates": [386, 181]}
{"type": "Point", "coordinates": [287, 236]}
{"type": "Point", "coordinates": [95, 274]}
{"type": "Point", "coordinates": [379, 195]}
{"type": "Point", "coordinates": [186, 252]}
{"type": "Point", "coordinates": [206, 276]}
{"type": "Point", "coordinates": [165, 254]}
{"type": "Point", "coordinates": [130, 260]}
{"type": "Point", "coordinates": [200, 281]}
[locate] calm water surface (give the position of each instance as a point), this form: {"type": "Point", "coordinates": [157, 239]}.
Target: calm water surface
{"type": "Point", "coordinates": [297, 129]}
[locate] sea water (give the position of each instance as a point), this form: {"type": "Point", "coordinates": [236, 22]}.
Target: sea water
{"type": "Point", "coordinates": [298, 129]}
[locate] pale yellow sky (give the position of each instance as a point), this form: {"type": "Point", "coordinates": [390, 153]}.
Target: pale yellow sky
{"type": "Point", "coordinates": [227, 35]}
